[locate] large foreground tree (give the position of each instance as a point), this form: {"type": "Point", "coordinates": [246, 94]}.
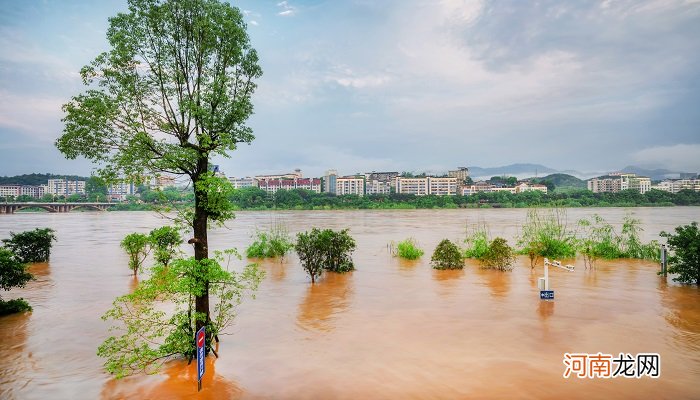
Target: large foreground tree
{"type": "Point", "coordinates": [173, 91]}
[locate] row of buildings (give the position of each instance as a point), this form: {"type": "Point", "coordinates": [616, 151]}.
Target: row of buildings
{"type": "Point", "coordinates": [456, 182]}
{"type": "Point", "coordinates": [68, 187]}
{"type": "Point", "coordinates": [617, 182]}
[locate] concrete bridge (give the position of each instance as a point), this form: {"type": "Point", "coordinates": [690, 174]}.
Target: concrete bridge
{"type": "Point", "coordinates": [10, 208]}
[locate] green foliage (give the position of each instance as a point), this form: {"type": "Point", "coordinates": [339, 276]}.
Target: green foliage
{"type": "Point", "coordinates": [136, 246]}
{"type": "Point", "coordinates": [14, 306]}
{"type": "Point", "coordinates": [31, 246]}
{"type": "Point", "coordinates": [13, 273]}
{"type": "Point", "coordinates": [546, 234]}
{"type": "Point", "coordinates": [499, 255]}
{"type": "Point", "coordinates": [96, 189]}
{"type": "Point", "coordinates": [325, 249]}
{"type": "Point", "coordinates": [148, 336]}
{"type": "Point", "coordinates": [447, 256]}
{"type": "Point", "coordinates": [600, 240]}
{"type": "Point", "coordinates": [685, 253]}
{"type": "Point", "coordinates": [275, 242]}
{"type": "Point", "coordinates": [477, 243]}
{"type": "Point", "coordinates": [165, 242]}
{"type": "Point", "coordinates": [409, 249]}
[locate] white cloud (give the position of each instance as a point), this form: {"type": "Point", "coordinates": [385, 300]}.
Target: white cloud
{"type": "Point", "coordinates": [253, 22]}
{"type": "Point", "coordinates": [681, 157]}
{"type": "Point", "coordinates": [287, 9]}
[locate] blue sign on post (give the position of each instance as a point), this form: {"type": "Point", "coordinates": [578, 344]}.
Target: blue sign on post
{"type": "Point", "coordinates": [546, 294]}
{"type": "Point", "coordinates": [201, 353]}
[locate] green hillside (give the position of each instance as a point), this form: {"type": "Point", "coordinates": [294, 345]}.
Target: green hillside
{"type": "Point", "coordinates": [36, 179]}
{"type": "Point", "coordinates": [563, 181]}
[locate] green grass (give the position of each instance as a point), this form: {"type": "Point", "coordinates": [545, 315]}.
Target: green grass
{"type": "Point", "coordinates": [274, 242]}
{"type": "Point", "coordinates": [409, 249]}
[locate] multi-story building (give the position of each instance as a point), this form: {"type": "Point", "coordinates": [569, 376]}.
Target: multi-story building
{"type": "Point", "coordinates": [119, 191]}
{"type": "Point", "coordinates": [239, 183]}
{"type": "Point", "coordinates": [619, 181]}
{"type": "Point", "coordinates": [34, 191]}
{"type": "Point", "coordinates": [442, 186]}
{"type": "Point", "coordinates": [382, 176]}
{"type": "Point", "coordinates": [293, 175]}
{"type": "Point", "coordinates": [329, 181]}
{"type": "Point", "coordinates": [64, 187]}
{"type": "Point", "coordinates": [162, 181]}
{"type": "Point", "coordinates": [676, 185]}
{"type": "Point", "coordinates": [10, 190]}
{"type": "Point", "coordinates": [273, 185]}
{"type": "Point", "coordinates": [476, 187]}
{"type": "Point", "coordinates": [350, 185]}
{"type": "Point", "coordinates": [377, 187]}
{"type": "Point", "coordinates": [461, 173]}
{"type": "Point", "coordinates": [439, 186]}
{"type": "Point", "coordinates": [529, 187]}
{"type": "Point", "coordinates": [415, 186]}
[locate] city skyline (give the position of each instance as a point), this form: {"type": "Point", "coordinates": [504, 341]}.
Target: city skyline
{"type": "Point", "coordinates": [359, 86]}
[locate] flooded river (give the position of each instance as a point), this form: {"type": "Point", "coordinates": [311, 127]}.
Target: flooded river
{"type": "Point", "coordinates": [391, 329]}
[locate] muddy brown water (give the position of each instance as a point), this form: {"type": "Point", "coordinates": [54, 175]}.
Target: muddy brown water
{"type": "Point", "coordinates": [391, 329]}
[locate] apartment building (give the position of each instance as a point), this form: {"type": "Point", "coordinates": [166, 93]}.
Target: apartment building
{"type": "Point", "coordinates": [442, 186]}
{"type": "Point", "coordinates": [10, 190]}
{"type": "Point", "coordinates": [239, 183]}
{"type": "Point", "coordinates": [613, 183]}
{"type": "Point", "coordinates": [63, 187]}
{"type": "Point", "coordinates": [273, 185]}
{"type": "Point", "coordinates": [530, 187]}
{"type": "Point", "coordinates": [439, 186]}
{"type": "Point", "coordinates": [461, 174]}
{"type": "Point", "coordinates": [119, 191]}
{"type": "Point", "coordinates": [329, 181]}
{"type": "Point", "coordinates": [676, 185]}
{"type": "Point", "coordinates": [292, 175]}
{"type": "Point", "coordinates": [375, 187]}
{"type": "Point", "coordinates": [350, 185]}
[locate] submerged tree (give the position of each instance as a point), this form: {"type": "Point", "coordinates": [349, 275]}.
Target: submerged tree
{"type": "Point", "coordinates": [173, 91]}
{"type": "Point", "coordinates": [164, 241]}
{"type": "Point", "coordinates": [150, 336]}
{"type": "Point", "coordinates": [31, 246]}
{"type": "Point", "coordinates": [685, 257]}
{"type": "Point", "coordinates": [13, 273]}
{"type": "Point", "coordinates": [447, 256]}
{"type": "Point", "coordinates": [136, 246]}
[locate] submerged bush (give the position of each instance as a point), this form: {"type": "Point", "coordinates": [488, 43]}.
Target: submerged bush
{"type": "Point", "coordinates": [600, 240]}
{"type": "Point", "coordinates": [409, 249]}
{"type": "Point", "coordinates": [136, 246]}
{"type": "Point", "coordinates": [31, 246]}
{"type": "Point", "coordinates": [477, 243]}
{"type": "Point", "coordinates": [325, 249]}
{"type": "Point", "coordinates": [275, 242]}
{"type": "Point", "coordinates": [13, 273]}
{"type": "Point", "coordinates": [447, 256]}
{"type": "Point", "coordinates": [546, 234]}
{"type": "Point", "coordinates": [499, 255]}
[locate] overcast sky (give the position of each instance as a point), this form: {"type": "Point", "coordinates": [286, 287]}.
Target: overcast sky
{"type": "Point", "coordinates": [404, 85]}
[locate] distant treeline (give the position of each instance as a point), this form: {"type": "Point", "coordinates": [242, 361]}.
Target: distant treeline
{"type": "Point", "coordinates": [36, 179]}
{"type": "Point", "coordinates": [255, 198]}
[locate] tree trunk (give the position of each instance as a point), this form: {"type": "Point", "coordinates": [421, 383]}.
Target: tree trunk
{"type": "Point", "coordinates": [201, 249]}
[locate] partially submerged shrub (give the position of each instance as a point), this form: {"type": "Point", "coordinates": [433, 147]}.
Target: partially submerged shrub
{"type": "Point", "coordinates": [164, 241]}
{"type": "Point", "coordinates": [546, 234]}
{"type": "Point", "coordinates": [447, 256]}
{"type": "Point", "coordinates": [275, 242]}
{"type": "Point", "coordinates": [325, 249]}
{"type": "Point", "coordinates": [499, 255]}
{"type": "Point", "coordinates": [600, 240]}
{"type": "Point", "coordinates": [31, 246]}
{"type": "Point", "coordinates": [477, 243]}
{"type": "Point", "coordinates": [136, 246]}
{"type": "Point", "coordinates": [409, 249]}
{"type": "Point", "coordinates": [13, 273]}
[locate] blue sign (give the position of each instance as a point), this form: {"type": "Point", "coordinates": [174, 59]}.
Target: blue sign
{"type": "Point", "coordinates": [201, 340]}
{"type": "Point", "coordinates": [546, 294]}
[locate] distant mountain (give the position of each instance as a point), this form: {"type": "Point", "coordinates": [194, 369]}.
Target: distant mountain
{"type": "Point", "coordinates": [36, 179]}
{"type": "Point", "coordinates": [654, 174]}
{"type": "Point", "coordinates": [563, 181]}
{"type": "Point", "coordinates": [517, 170]}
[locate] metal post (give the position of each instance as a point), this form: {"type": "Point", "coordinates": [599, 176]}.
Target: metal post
{"type": "Point", "coordinates": [664, 259]}
{"type": "Point", "coordinates": [546, 276]}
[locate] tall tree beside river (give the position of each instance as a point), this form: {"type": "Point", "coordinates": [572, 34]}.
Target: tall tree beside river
{"type": "Point", "coordinates": [173, 91]}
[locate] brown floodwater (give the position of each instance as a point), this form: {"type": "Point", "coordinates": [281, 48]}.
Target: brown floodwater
{"type": "Point", "coordinates": [391, 329]}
